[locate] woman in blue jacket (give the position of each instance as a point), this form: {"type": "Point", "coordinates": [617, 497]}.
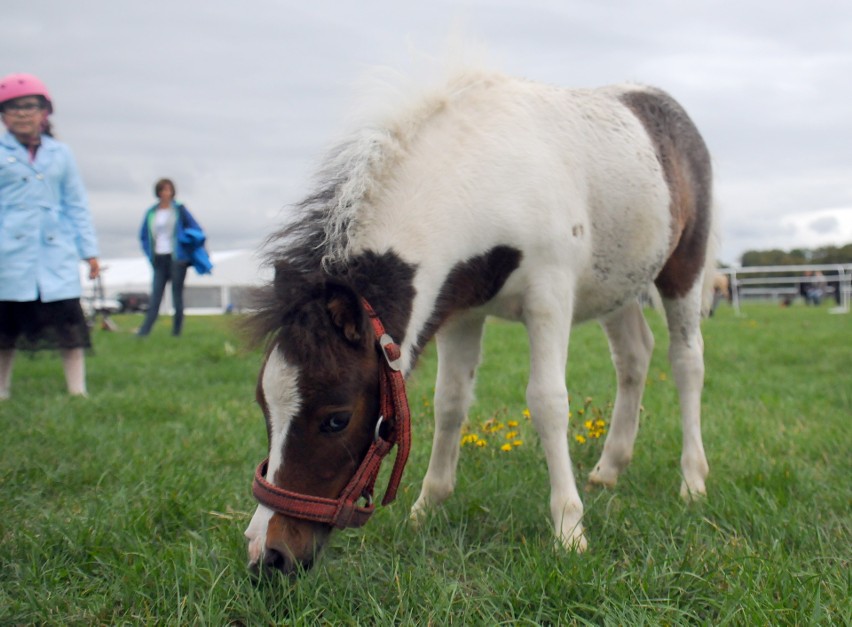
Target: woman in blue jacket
{"type": "Point", "coordinates": [45, 230]}
{"type": "Point", "coordinates": [172, 240]}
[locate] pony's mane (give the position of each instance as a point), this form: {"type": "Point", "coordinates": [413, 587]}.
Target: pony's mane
{"type": "Point", "coordinates": [323, 226]}
{"type": "Point", "coordinates": [319, 238]}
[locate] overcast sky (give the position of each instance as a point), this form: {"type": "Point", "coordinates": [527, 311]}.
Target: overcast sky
{"type": "Point", "coordinates": [236, 100]}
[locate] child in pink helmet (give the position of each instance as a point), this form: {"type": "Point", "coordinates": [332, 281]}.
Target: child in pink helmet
{"type": "Point", "coordinates": [45, 230]}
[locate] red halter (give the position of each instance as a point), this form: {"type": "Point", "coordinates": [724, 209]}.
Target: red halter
{"type": "Point", "coordinates": [394, 416]}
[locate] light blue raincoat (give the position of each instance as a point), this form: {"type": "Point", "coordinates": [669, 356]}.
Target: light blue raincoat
{"type": "Point", "coordinates": [45, 224]}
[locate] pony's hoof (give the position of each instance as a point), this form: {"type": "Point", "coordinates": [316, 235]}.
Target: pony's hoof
{"type": "Point", "coordinates": [575, 543]}
{"type": "Point", "coordinates": [693, 493]}
{"type": "Point", "coordinates": [417, 516]}
{"type": "Point", "coordinates": [601, 477]}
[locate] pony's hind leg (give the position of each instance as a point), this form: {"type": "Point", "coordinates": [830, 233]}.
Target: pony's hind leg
{"type": "Point", "coordinates": [458, 344]}
{"type": "Point", "coordinates": [686, 355]}
{"type": "Point", "coordinates": [631, 345]}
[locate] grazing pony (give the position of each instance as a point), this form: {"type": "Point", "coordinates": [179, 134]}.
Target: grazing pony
{"type": "Point", "coordinates": [490, 196]}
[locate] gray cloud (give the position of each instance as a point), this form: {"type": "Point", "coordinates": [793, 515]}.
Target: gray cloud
{"type": "Point", "coordinates": [237, 101]}
{"type": "Point", "coordinates": [829, 224]}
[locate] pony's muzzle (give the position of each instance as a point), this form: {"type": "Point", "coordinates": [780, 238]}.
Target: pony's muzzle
{"type": "Point", "coordinates": [274, 560]}
{"type": "Point", "coordinates": [291, 546]}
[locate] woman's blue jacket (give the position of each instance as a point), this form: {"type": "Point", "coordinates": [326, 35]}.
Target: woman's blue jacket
{"type": "Point", "coordinates": [187, 240]}
{"type": "Point", "coordinates": [46, 227]}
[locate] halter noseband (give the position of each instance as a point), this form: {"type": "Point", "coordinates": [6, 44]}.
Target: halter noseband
{"type": "Point", "coordinates": [394, 418]}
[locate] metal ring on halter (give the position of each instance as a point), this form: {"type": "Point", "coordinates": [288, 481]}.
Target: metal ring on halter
{"type": "Point", "coordinates": [376, 435]}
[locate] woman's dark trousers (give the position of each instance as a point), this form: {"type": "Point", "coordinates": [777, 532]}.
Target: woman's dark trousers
{"type": "Point", "coordinates": [166, 269]}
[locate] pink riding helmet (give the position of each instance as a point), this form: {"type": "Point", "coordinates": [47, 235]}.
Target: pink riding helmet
{"type": "Point", "coordinates": [20, 85]}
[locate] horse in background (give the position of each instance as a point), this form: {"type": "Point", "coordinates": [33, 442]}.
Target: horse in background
{"type": "Point", "coordinates": [491, 195]}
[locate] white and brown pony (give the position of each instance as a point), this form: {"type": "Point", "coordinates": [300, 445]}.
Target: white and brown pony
{"type": "Point", "coordinates": [490, 196]}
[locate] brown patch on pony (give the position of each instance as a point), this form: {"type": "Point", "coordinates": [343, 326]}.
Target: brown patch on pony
{"type": "Point", "coordinates": [688, 174]}
{"type": "Point", "coordinates": [471, 283]}
{"type": "Point", "coordinates": [319, 325]}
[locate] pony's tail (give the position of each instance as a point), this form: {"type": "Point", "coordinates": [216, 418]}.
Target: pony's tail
{"type": "Point", "coordinates": [714, 241]}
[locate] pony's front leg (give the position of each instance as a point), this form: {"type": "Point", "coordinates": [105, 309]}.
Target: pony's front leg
{"type": "Point", "coordinates": [548, 325]}
{"type": "Point", "coordinates": [458, 344]}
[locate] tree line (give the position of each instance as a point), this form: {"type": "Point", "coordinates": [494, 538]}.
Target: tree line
{"type": "Point", "coordinates": [798, 256]}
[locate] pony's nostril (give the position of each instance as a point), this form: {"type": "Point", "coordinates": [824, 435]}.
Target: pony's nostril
{"type": "Point", "coordinates": [275, 559]}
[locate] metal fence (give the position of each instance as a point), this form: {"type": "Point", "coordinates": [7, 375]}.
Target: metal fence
{"type": "Point", "coordinates": [783, 283]}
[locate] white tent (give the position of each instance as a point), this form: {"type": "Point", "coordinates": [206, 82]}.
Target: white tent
{"type": "Point", "coordinates": [234, 272]}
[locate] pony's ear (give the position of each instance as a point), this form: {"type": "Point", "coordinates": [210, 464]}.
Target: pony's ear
{"type": "Point", "coordinates": [346, 312]}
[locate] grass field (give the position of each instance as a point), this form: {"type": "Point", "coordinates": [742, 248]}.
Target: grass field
{"type": "Point", "coordinates": [128, 507]}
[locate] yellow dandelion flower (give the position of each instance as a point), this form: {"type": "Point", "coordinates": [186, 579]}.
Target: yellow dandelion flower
{"type": "Point", "coordinates": [492, 426]}
{"type": "Point", "coordinates": [581, 411]}
{"type": "Point", "coordinates": [512, 424]}
{"type": "Point", "coordinates": [470, 439]}
{"type": "Point", "coordinates": [518, 443]}
{"type": "Point", "coordinates": [589, 425]}
{"type": "Point", "coordinates": [481, 443]}
{"type": "Point", "coordinates": [526, 414]}
{"type": "Point", "coordinates": [511, 435]}
{"type": "Point", "coordinates": [600, 423]}
{"type": "Point", "coordinates": [580, 439]}
{"type": "Point", "coordinates": [506, 447]}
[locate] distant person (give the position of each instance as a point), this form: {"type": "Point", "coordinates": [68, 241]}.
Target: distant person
{"type": "Point", "coordinates": [817, 289]}
{"type": "Point", "coordinates": [721, 290]}
{"type": "Point", "coordinates": [172, 240]}
{"type": "Point", "coordinates": [45, 230]}
{"type": "Point", "coordinates": [804, 285]}
{"type": "Point", "coordinates": [836, 287]}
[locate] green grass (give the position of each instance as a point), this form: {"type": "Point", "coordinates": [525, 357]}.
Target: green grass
{"type": "Point", "coordinates": [128, 507]}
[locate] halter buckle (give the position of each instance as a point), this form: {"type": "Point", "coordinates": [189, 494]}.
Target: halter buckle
{"type": "Point", "coordinates": [393, 358]}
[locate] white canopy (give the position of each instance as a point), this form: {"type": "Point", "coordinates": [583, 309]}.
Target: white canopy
{"type": "Point", "coordinates": [234, 271]}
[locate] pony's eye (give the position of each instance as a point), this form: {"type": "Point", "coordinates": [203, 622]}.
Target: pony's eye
{"type": "Point", "coordinates": [335, 422]}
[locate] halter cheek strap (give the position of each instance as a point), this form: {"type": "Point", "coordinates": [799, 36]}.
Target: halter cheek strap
{"type": "Point", "coordinates": [394, 418]}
